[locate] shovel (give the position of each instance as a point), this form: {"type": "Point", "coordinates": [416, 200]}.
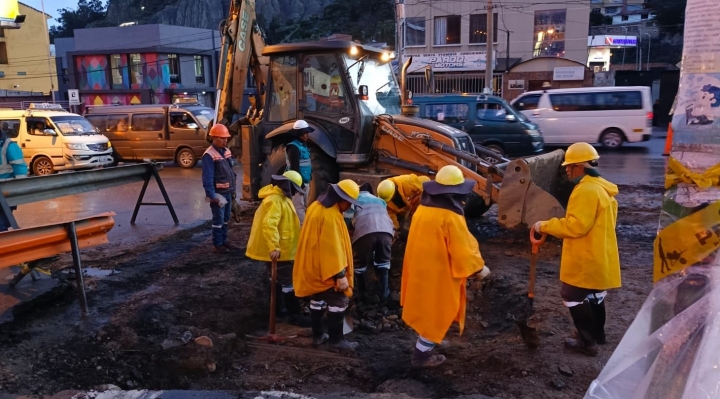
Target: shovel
{"type": "Point", "coordinates": [530, 334]}
{"type": "Point", "coordinates": [348, 321]}
{"type": "Point", "coordinates": [271, 336]}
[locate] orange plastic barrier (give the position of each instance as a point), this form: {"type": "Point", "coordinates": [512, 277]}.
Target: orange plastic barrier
{"type": "Point", "coordinates": [24, 245]}
{"type": "Point", "coordinates": [668, 140]}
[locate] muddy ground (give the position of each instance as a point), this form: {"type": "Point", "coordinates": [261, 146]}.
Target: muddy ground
{"type": "Point", "coordinates": [174, 289]}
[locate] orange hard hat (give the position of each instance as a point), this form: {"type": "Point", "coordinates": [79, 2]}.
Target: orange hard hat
{"type": "Point", "coordinates": [219, 130]}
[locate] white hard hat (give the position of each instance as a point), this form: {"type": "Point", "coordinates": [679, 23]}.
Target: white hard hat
{"type": "Point", "coordinates": [300, 124]}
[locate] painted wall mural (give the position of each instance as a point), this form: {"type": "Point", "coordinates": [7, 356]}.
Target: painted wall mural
{"type": "Point", "coordinates": [92, 72]}
{"type": "Point", "coordinates": [138, 71]}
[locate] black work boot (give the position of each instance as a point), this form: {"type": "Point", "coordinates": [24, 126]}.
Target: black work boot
{"type": "Point", "coordinates": [360, 286]}
{"type": "Point", "coordinates": [584, 319]}
{"type": "Point", "coordinates": [383, 276]}
{"type": "Point", "coordinates": [335, 330]}
{"type": "Point", "coordinates": [292, 303]}
{"type": "Point", "coordinates": [318, 329]}
{"type": "Point", "coordinates": [426, 359]}
{"type": "Point", "coordinates": [599, 312]}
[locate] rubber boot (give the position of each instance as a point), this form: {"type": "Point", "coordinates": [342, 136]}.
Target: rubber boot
{"type": "Point", "coordinates": [584, 319]}
{"type": "Point", "coordinates": [280, 310]}
{"type": "Point", "coordinates": [292, 303]}
{"type": "Point", "coordinates": [599, 312]}
{"type": "Point", "coordinates": [318, 329]}
{"type": "Point", "coordinates": [383, 276]}
{"type": "Point", "coordinates": [426, 359]}
{"type": "Point", "coordinates": [335, 330]}
{"type": "Point", "coordinates": [360, 287]}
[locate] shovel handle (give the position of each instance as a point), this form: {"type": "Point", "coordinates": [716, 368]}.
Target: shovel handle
{"type": "Point", "coordinates": [536, 242]}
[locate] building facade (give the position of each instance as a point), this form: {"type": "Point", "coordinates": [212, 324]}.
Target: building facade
{"type": "Point", "coordinates": [451, 36]}
{"type": "Point", "coordinates": [27, 66]}
{"type": "Point", "coordinates": [139, 64]}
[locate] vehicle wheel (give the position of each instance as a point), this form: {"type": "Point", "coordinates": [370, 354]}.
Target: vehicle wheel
{"type": "Point", "coordinates": [116, 159]}
{"type": "Point", "coordinates": [612, 139]}
{"type": "Point", "coordinates": [475, 206]}
{"type": "Point", "coordinates": [42, 166]}
{"type": "Point", "coordinates": [186, 158]}
{"type": "Point", "coordinates": [325, 171]}
{"type": "Point", "coordinates": [495, 147]}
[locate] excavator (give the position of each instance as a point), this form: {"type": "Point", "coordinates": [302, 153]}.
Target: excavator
{"type": "Point", "coordinates": [366, 128]}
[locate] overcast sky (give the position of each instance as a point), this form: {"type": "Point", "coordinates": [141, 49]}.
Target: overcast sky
{"type": "Point", "coordinates": [51, 6]}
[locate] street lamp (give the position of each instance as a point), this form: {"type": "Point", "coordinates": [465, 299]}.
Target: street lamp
{"type": "Point", "coordinates": [649, 44]}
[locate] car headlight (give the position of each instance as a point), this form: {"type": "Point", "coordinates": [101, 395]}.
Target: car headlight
{"type": "Point", "coordinates": [109, 144]}
{"type": "Point", "coordinates": [534, 133]}
{"type": "Point", "coordinates": [76, 146]}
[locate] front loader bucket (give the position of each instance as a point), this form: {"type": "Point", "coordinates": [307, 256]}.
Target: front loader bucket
{"type": "Point", "coordinates": [533, 189]}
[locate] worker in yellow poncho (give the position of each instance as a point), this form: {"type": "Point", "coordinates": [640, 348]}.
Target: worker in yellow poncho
{"type": "Point", "coordinates": [439, 257]}
{"type": "Point", "coordinates": [274, 236]}
{"type": "Point", "coordinates": [402, 194]}
{"type": "Point", "coordinates": [590, 262]}
{"type": "Point", "coordinates": [324, 262]}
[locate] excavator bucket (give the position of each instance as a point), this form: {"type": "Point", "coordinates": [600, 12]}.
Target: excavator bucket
{"type": "Point", "coordinates": [533, 189]}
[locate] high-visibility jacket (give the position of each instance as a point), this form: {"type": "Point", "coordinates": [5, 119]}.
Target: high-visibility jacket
{"type": "Point", "coordinates": [590, 257]}
{"type": "Point", "coordinates": [218, 175]}
{"type": "Point", "coordinates": [439, 257]}
{"type": "Point", "coordinates": [12, 164]}
{"type": "Point", "coordinates": [275, 227]}
{"type": "Point", "coordinates": [409, 188]}
{"type": "Point", "coordinates": [324, 250]}
{"type": "Point", "coordinates": [305, 163]}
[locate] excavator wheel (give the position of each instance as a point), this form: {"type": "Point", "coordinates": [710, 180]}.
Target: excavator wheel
{"type": "Point", "coordinates": [325, 171]}
{"type": "Point", "coordinates": [475, 206]}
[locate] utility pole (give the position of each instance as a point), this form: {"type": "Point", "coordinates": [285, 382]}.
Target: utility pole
{"type": "Point", "coordinates": [649, 44]}
{"type": "Point", "coordinates": [624, 47]}
{"type": "Point", "coordinates": [507, 48]}
{"type": "Point", "coordinates": [47, 35]}
{"type": "Point", "coordinates": [489, 46]}
{"type": "Point", "coordinates": [400, 30]}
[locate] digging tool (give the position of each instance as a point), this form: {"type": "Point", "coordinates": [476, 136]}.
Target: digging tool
{"type": "Point", "coordinates": [530, 334]}
{"type": "Point", "coordinates": [348, 321]}
{"type": "Point", "coordinates": [271, 336]}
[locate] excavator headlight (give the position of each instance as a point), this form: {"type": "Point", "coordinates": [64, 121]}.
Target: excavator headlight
{"type": "Point", "coordinates": [385, 57]}
{"type": "Point", "coordinates": [353, 50]}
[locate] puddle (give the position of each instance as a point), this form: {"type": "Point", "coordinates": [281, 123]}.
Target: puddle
{"type": "Point", "coordinates": [95, 272]}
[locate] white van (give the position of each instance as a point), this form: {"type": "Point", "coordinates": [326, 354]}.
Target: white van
{"type": "Point", "coordinates": [52, 139]}
{"type": "Point", "coordinates": [605, 115]}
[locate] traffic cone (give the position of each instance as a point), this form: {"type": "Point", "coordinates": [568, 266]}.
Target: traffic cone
{"type": "Point", "coordinates": [668, 140]}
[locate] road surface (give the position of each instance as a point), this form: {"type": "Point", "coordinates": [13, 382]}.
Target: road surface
{"type": "Point", "coordinates": [639, 163]}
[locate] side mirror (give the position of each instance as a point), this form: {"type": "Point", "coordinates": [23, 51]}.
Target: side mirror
{"type": "Point", "coordinates": [49, 132]}
{"type": "Point", "coordinates": [192, 126]}
{"type": "Point", "coordinates": [363, 92]}
{"type": "Point", "coordinates": [510, 118]}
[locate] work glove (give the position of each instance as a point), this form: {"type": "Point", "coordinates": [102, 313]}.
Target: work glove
{"type": "Point", "coordinates": [214, 200]}
{"type": "Point", "coordinates": [342, 284]}
{"type": "Point", "coordinates": [536, 226]}
{"type": "Point", "coordinates": [275, 254]}
{"type": "Point", "coordinates": [484, 272]}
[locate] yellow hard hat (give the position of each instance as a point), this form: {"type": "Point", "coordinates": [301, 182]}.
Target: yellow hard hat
{"type": "Point", "coordinates": [423, 179]}
{"type": "Point", "coordinates": [336, 79]}
{"type": "Point", "coordinates": [348, 190]}
{"type": "Point", "coordinates": [386, 190]}
{"type": "Point", "coordinates": [579, 153]}
{"type": "Point", "coordinates": [450, 175]}
{"type": "Point", "coordinates": [294, 177]}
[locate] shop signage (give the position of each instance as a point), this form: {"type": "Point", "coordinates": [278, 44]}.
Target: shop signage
{"type": "Point", "coordinates": [569, 73]}
{"type": "Point", "coordinates": [451, 61]}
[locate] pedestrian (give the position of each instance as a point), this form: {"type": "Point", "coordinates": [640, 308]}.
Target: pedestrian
{"type": "Point", "coordinates": [590, 263]}
{"type": "Point", "coordinates": [219, 181]}
{"type": "Point", "coordinates": [402, 194]}
{"type": "Point", "coordinates": [12, 166]}
{"type": "Point", "coordinates": [372, 237]}
{"type": "Point", "coordinates": [274, 237]}
{"type": "Point", "coordinates": [324, 262]}
{"type": "Point", "coordinates": [297, 158]}
{"type": "Point", "coordinates": [440, 255]}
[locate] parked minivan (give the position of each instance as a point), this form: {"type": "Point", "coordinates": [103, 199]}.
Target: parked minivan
{"type": "Point", "coordinates": [605, 115]}
{"type": "Point", "coordinates": [53, 139]}
{"type": "Point", "coordinates": [154, 131]}
{"type": "Point", "coordinates": [490, 121]}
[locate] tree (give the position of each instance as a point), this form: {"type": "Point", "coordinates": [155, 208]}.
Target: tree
{"type": "Point", "coordinates": [87, 12]}
{"type": "Point", "coordinates": [669, 14]}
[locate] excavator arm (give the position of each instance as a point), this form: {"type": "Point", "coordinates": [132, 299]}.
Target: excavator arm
{"type": "Point", "coordinates": [242, 47]}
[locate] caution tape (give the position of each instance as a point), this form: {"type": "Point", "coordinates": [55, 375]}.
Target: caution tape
{"type": "Point", "coordinates": [679, 173]}
{"type": "Point", "coordinates": [686, 241]}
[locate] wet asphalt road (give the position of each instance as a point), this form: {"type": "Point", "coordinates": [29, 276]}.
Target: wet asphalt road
{"type": "Point", "coordinates": [639, 163]}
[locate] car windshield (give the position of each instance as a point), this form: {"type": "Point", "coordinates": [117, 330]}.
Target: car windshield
{"type": "Point", "coordinates": [383, 91]}
{"type": "Point", "coordinates": [203, 116]}
{"type": "Point", "coordinates": [73, 125]}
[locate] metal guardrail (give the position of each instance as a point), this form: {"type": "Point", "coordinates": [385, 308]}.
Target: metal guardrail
{"type": "Point", "coordinates": [39, 188]}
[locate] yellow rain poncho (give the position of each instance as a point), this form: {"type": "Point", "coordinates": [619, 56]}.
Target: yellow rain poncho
{"type": "Point", "coordinates": [590, 256]}
{"type": "Point", "coordinates": [324, 249]}
{"type": "Point", "coordinates": [275, 226]}
{"type": "Point", "coordinates": [439, 257]}
{"type": "Point", "coordinates": [410, 188]}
